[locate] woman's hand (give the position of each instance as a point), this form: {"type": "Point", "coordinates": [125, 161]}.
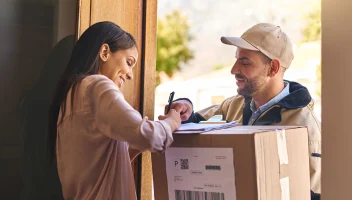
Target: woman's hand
{"type": "Point", "coordinates": [173, 118]}
{"type": "Point", "coordinates": [183, 107]}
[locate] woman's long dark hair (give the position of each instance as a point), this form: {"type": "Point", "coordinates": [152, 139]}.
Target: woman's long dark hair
{"type": "Point", "coordinates": [84, 61]}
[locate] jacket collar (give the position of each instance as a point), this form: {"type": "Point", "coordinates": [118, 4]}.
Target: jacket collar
{"type": "Point", "coordinates": [299, 97]}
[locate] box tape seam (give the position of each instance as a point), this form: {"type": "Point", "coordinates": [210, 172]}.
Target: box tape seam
{"type": "Point", "coordinates": [281, 146]}
{"type": "Point", "coordinates": [285, 188]}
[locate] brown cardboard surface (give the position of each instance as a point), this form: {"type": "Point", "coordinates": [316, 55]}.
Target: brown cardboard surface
{"type": "Point", "coordinates": [267, 163]}
{"type": "Point", "coordinates": [256, 161]}
{"type": "Point", "coordinates": [297, 155]}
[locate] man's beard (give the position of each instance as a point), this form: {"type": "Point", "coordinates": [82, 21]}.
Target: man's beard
{"type": "Point", "coordinates": [251, 86]}
{"type": "Point", "coordinates": [248, 89]}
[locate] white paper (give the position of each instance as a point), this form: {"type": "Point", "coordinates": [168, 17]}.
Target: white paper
{"type": "Point", "coordinates": [200, 171]}
{"type": "Point", "coordinates": [215, 118]}
{"type": "Point", "coordinates": [198, 128]}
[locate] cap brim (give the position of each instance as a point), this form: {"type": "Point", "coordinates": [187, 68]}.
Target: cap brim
{"type": "Point", "coordinates": [238, 42]}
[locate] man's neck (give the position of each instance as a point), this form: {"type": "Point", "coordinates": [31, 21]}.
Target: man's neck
{"type": "Point", "coordinates": [266, 94]}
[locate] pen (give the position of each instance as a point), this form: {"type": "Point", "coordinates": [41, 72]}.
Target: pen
{"type": "Point", "coordinates": [316, 155]}
{"type": "Point", "coordinates": [171, 98]}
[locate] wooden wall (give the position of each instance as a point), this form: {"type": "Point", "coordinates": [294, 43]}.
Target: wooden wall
{"type": "Point", "coordinates": [336, 96]}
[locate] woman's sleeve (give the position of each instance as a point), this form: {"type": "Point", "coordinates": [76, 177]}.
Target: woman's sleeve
{"type": "Point", "coordinates": [116, 119]}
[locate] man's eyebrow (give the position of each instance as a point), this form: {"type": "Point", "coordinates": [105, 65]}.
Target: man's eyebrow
{"type": "Point", "coordinates": [243, 58]}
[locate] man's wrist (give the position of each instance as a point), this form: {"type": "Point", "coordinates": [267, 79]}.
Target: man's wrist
{"type": "Point", "coordinates": [180, 99]}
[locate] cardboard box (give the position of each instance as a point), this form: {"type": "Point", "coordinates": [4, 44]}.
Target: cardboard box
{"type": "Point", "coordinates": [267, 163]}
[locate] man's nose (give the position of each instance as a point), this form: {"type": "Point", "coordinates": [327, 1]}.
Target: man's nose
{"type": "Point", "coordinates": [235, 69]}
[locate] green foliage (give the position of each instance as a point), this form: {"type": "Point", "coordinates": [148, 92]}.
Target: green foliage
{"type": "Point", "coordinates": [312, 30]}
{"type": "Point", "coordinates": [173, 38]}
{"type": "Point", "coordinates": [218, 67]}
{"type": "Point", "coordinates": [318, 73]}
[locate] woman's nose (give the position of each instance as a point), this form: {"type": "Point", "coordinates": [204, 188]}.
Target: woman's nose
{"type": "Point", "coordinates": [129, 76]}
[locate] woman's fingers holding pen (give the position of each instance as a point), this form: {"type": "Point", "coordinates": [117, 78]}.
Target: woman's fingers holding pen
{"type": "Point", "coordinates": [172, 118]}
{"type": "Point", "coordinates": [183, 107]}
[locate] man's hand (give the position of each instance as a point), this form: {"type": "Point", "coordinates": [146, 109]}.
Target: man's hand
{"type": "Point", "coordinates": [183, 107]}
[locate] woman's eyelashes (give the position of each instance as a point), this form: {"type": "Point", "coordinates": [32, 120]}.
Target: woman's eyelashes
{"type": "Point", "coordinates": [129, 63]}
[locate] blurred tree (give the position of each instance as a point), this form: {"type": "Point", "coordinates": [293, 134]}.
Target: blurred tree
{"type": "Point", "coordinates": [312, 32]}
{"type": "Point", "coordinates": [318, 72]}
{"type": "Point", "coordinates": [218, 67]}
{"type": "Point", "coordinates": [173, 38]}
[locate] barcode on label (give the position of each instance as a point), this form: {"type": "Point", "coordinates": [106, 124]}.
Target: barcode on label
{"type": "Point", "coordinates": [198, 195]}
{"type": "Point", "coordinates": [184, 164]}
{"type": "Point", "coordinates": [213, 167]}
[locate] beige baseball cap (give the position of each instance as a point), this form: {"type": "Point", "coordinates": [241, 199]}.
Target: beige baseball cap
{"type": "Point", "coordinates": [266, 38]}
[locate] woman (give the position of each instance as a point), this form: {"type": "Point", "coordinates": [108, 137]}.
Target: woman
{"type": "Point", "coordinates": [91, 126]}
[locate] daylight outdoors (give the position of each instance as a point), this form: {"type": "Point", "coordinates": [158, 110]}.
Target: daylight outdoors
{"type": "Point", "coordinates": [193, 62]}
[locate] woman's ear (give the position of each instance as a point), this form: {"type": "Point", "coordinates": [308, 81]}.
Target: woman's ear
{"type": "Point", "coordinates": [274, 67]}
{"type": "Point", "coordinates": [104, 52]}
